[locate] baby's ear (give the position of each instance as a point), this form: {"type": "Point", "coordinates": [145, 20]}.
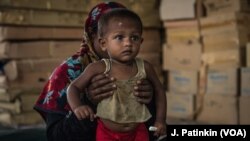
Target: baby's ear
{"type": "Point", "coordinates": [102, 43]}
{"type": "Point", "coordinates": [142, 39]}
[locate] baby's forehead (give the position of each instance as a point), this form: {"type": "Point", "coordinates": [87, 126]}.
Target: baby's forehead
{"type": "Point", "coordinates": [123, 20]}
{"type": "Point", "coordinates": [123, 23]}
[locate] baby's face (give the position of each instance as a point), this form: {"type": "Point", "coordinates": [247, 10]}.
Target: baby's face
{"type": "Point", "coordinates": [122, 39]}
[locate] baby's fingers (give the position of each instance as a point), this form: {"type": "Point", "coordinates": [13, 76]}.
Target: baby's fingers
{"type": "Point", "coordinates": [160, 131]}
{"type": "Point", "coordinates": [157, 133]}
{"type": "Point", "coordinates": [83, 112]}
{"type": "Point", "coordinates": [92, 115]}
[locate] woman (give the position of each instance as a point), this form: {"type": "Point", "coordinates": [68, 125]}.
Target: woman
{"type": "Point", "coordinates": [52, 103]}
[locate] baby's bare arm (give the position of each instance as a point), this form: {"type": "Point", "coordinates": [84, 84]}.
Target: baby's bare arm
{"type": "Point", "coordinates": [78, 86]}
{"type": "Point", "coordinates": [160, 99]}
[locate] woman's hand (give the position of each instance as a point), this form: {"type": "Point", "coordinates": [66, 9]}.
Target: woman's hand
{"type": "Point", "coordinates": [144, 91]}
{"type": "Point", "coordinates": [101, 87]}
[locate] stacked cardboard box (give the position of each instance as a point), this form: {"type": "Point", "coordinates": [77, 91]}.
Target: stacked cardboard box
{"type": "Point", "coordinates": [35, 37]}
{"type": "Point", "coordinates": [181, 57]}
{"type": "Point", "coordinates": [213, 7]}
{"type": "Point", "coordinates": [208, 68]}
{"type": "Point", "coordinates": [244, 99]}
{"type": "Point", "coordinates": [225, 33]}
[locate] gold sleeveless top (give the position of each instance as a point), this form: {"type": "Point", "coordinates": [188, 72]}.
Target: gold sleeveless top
{"type": "Point", "coordinates": [123, 107]}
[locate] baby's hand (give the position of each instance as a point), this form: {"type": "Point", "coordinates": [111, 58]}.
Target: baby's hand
{"type": "Point", "coordinates": [83, 112]}
{"type": "Point", "coordinates": [160, 129]}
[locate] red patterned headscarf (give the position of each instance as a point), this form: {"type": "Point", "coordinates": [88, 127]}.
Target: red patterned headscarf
{"type": "Point", "coordinates": [91, 24]}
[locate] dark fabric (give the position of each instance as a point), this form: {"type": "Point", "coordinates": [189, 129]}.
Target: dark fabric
{"type": "Point", "coordinates": [69, 128]}
{"type": "Point", "coordinates": [152, 108]}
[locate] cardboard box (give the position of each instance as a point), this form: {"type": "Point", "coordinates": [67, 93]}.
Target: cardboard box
{"type": "Point", "coordinates": [219, 109]}
{"type": "Point", "coordinates": [248, 54]}
{"type": "Point", "coordinates": [64, 49]}
{"type": "Point", "coordinates": [36, 65]}
{"type": "Point", "coordinates": [245, 82]}
{"type": "Point", "coordinates": [13, 68]}
{"type": "Point", "coordinates": [184, 82]}
{"type": "Point", "coordinates": [227, 37]}
{"type": "Point", "coordinates": [8, 96]}
{"type": "Point", "coordinates": [180, 106]}
{"type": "Point", "coordinates": [183, 9]}
{"type": "Point", "coordinates": [225, 31]}
{"type": "Point", "coordinates": [182, 57]}
{"type": "Point", "coordinates": [35, 33]}
{"type": "Point", "coordinates": [12, 107]}
{"type": "Point", "coordinates": [228, 58]}
{"type": "Point", "coordinates": [24, 50]}
{"type": "Point", "coordinates": [38, 49]}
{"type": "Point", "coordinates": [244, 110]}
{"type": "Point", "coordinates": [28, 81]}
{"type": "Point", "coordinates": [41, 18]}
{"type": "Point", "coordinates": [63, 5]}
{"type": "Point", "coordinates": [222, 82]}
{"type": "Point", "coordinates": [227, 18]}
{"type": "Point", "coordinates": [3, 81]}
{"type": "Point", "coordinates": [183, 31]}
{"type": "Point", "coordinates": [222, 6]}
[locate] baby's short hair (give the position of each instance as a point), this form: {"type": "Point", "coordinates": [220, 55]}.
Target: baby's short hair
{"type": "Point", "coordinates": [117, 13]}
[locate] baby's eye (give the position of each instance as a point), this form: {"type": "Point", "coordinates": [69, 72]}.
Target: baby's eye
{"type": "Point", "coordinates": [135, 38]}
{"type": "Point", "coordinates": [118, 37]}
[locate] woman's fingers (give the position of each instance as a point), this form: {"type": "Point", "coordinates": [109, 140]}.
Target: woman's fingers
{"type": "Point", "coordinates": [102, 96]}
{"type": "Point", "coordinates": [144, 97]}
{"type": "Point", "coordinates": [102, 90]}
{"type": "Point", "coordinates": [144, 86]}
{"type": "Point", "coordinates": [100, 80]}
{"type": "Point", "coordinates": [143, 91]}
{"type": "Point", "coordinates": [99, 77]}
{"type": "Point", "coordinates": [101, 87]}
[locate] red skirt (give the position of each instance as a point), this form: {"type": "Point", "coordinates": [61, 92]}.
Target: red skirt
{"type": "Point", "coordinates": [105, 134]}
